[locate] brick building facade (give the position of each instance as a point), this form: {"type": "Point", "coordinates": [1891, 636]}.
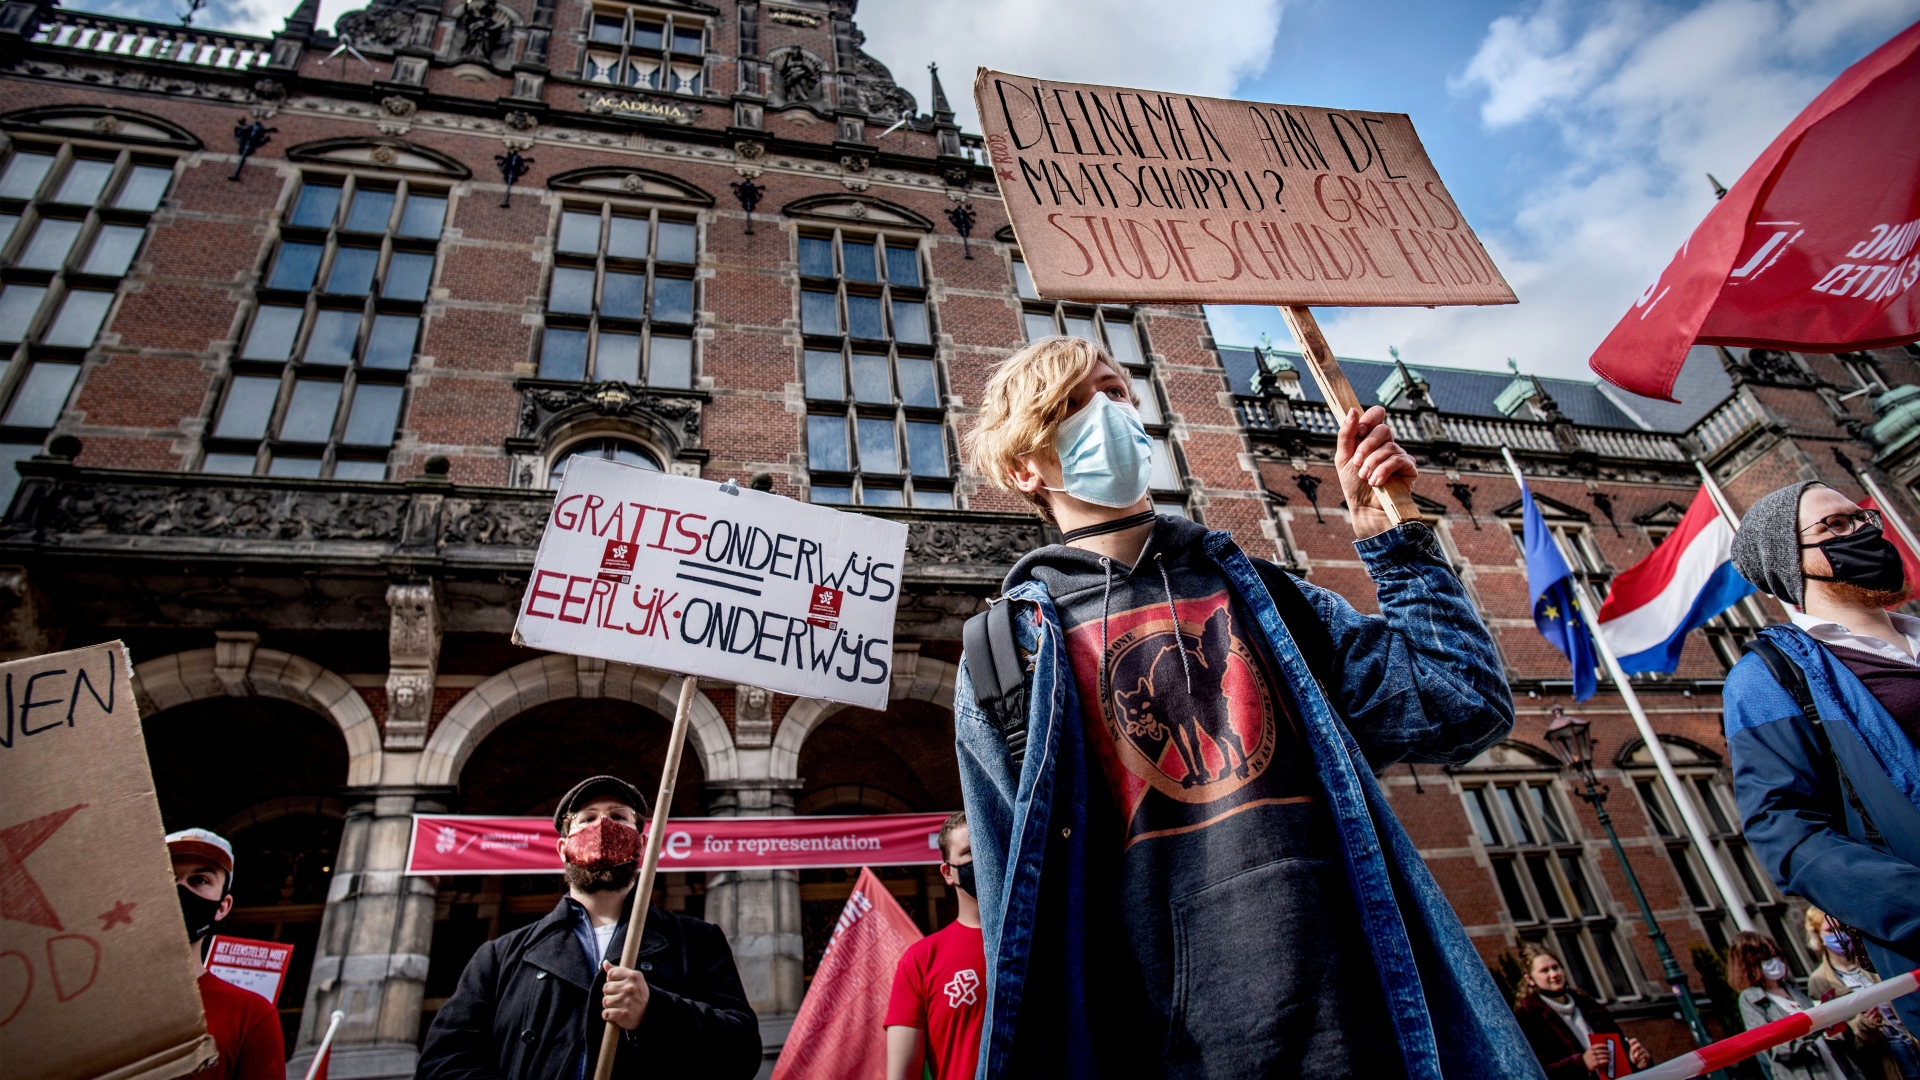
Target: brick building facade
{"type": "Point", "coordinates": [284, 416]}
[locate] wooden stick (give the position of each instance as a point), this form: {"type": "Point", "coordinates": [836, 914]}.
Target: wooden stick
{"type": "Point", "coordinates": [1397, 497]}
{"type": "Point", "coordinates": [656, 834]}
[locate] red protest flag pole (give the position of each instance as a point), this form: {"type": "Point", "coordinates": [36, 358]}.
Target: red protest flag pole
{"type": "Point", "coordinates": [1812, 248]}
{"type": "Point", "coordinates": [838, 1032]}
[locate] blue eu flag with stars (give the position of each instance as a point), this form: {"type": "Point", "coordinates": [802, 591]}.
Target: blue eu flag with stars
{"type": "Point", "coordinates": [1550, 582]}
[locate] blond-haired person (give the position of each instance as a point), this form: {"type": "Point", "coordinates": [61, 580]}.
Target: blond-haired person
{"type": "Point", "coordinates": [1190, 870]}
{"type": "Point", "coordinates": [1882, 1049]}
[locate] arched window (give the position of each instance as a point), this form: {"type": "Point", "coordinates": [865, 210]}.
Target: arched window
{"type": "Point", "coordinates": [624, 451]}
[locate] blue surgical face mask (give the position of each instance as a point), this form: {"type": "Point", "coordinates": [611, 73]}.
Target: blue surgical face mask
{"type": "Point", "coordinates": [1106, 457]}
{"type": "Point", "coordinates": [1836, 943]}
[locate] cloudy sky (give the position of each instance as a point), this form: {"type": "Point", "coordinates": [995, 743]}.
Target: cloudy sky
{"type": "Point", "coordinates": [1576, 134]}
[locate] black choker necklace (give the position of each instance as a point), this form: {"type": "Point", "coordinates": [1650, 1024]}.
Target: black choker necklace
{"type": "Point", "coordinates": [1105, 527]}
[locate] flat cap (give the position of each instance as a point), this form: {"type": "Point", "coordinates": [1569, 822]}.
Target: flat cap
{"type": "Point", "coordinates": [598, 787]}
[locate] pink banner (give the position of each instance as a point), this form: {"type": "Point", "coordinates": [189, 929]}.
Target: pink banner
{"type": "Point", "coordinates": [459, 844]}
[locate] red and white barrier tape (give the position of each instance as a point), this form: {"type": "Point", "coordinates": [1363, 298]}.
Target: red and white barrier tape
{"type": "Point", "coordinates": [1784, 1030]}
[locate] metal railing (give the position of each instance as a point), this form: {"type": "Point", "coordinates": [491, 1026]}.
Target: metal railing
{"type": "Point", "coordinates": [1735, 417]}
{"type": "Point", "coordinates": [153, 41]}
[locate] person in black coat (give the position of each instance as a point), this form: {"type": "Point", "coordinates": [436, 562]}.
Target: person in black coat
{"type": "Point", "coordinates": [522, 1010]}
{"type": "Point", "coordinates": [1556, 1019]}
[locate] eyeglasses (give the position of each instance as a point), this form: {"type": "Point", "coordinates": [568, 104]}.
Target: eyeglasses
{"type": "Point", "coordinates": [1846, 524]}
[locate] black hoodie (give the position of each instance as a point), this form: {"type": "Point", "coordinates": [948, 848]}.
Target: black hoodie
{"type": "Point", "coordinates": [1236, 950]}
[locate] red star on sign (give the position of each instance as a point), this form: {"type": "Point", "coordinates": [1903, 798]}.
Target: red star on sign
{"type": "Point", "coordinates": [122, 913]}
{"type": "Point", "coordinates": [20, 898]}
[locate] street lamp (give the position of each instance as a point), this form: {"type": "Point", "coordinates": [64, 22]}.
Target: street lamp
{"type": "Point", "coordinates": [1573, 742]}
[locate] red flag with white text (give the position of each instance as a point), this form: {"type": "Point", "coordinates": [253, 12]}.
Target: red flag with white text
{"type": "Point", "coordinates": [1815, 247]}
{"type": "Point", "coordinates": [839, 1031]}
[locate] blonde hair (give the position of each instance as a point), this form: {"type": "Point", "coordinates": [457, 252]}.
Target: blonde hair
{"type": "Point", "coordinates": [1531, 951]}
{"type": "Point", "coordinates": [1025, 401]}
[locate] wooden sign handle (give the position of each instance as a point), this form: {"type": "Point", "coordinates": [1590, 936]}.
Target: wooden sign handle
{"type": "Point", "coordinates": [1397, 497]}
{"type": "Point", "coordinates": [643, 891]}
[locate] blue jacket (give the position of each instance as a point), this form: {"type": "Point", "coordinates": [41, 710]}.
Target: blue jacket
{"type": "Point", "coordinates": [1422, 682]}
{"type": "Point", "coordinates": [1796, 816]}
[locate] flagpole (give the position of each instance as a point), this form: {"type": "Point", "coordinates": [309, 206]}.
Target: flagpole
{"type": "Point", "coordinates": [1589, 613]}
{"type": "Point", "coordinates": [1887, 511]}
{"type": "Point", "coordinates": [326, 1043]}
{"type": "Point", "coordinates": [1719, 497]}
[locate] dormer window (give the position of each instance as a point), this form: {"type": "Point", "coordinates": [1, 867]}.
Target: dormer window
{"type": "Point", "coordinates": [645, 49]}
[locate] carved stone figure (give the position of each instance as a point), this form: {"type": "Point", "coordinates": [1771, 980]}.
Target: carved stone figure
{"type": "Point", "coordinates": [799, 76]}
{"type": "Point", "coordinates": [383, 24]}
{"type": "Point", "coordinates": [485, 24]}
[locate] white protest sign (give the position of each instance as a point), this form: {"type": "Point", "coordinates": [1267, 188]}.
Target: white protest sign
{"type": "Point", "coordinates": [673, 573]}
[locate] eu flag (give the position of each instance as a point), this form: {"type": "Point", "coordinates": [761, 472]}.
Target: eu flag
{"type": "Point", "coordinates": [1550, 581]}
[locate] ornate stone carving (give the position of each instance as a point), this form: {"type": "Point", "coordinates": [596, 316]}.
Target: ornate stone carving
{"type": "Point", "coordinates": [399, 105]}
{"type": "Point", "coordinates": [413, 654]}
{"type": "Point", "coordinates": [272, 91]}
{"type": "Point", "coordinates": [522, 120]}
{"type": "Point", "coordinates": [752, 717]}
{"type": "Point", "coordinates": [485, 25]}
{"type": "Point", "coordinates": [798, 77]}
{"type": "Point", "coordinates": [677, 416]}
{"type": "Point", "coordinates": [750, 149]}
{"type": "Point", "coordinates": [381, 25]}
{"type": "Point", "coordinates": [854, 163]}
{"type": "Point", "coordinates": [963, 542]}
{"type": "Point", "coordinates": [494, 522]}
{"type": "Point", "coordinates": [260, 513]}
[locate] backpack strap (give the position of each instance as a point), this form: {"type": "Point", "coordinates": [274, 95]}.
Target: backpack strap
{"type": "Point", "coordinates": [999, 678]}
{"type": "Point", "coordinates": [1794, 681]}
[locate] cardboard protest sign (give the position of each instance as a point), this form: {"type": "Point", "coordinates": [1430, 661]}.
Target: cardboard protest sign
{"type": "Point", "coordinates": [1132, 195]}
{"type": "Point", "coordinates": [448, 844]}
{"type": "Point", "coordinates": [673, 573]}
{"type": "Point", "coordinates": [259, 966]}
{"type": "Point", "coordinates": [96, 974]}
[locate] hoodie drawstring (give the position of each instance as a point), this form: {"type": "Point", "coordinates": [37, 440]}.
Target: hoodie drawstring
{"type": "Point", "coordinates": [1179, 639]}
{"type": "Point", "coordinates": [1106, 596]}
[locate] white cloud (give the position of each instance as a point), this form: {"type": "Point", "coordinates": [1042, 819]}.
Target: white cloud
{"type": "Point", "coordinates": [1206, 47]}
{"type": "Point", "coordinates": [1645, 100]}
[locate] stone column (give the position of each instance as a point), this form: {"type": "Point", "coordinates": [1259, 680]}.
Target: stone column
{"type": "Point", "coordinates": [759, 909]}
{"type": "Point", "coordinates": [375, 937]}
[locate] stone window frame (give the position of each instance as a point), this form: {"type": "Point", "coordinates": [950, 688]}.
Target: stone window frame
{"type": "Point", "coordinates": [829, 400]}
{"type": "Point", "coordinates": [1764, 903]}
{"type": "Point", "coordinates": [44, 370]}
{"type": "Point", "coordinates": [236, 450]}
{"type": "Point", "coordinates": [608, 438]}
{"type": "Point", "coordinates": [1105, 325]}
{"type": "Point", "coordinates": [1537, 853]}
{"type": "Point", "coordinates": [595, 322]}
{"type": "Point", "coordinates": [596, 52]}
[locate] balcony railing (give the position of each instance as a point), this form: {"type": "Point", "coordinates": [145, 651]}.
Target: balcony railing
{"type": "Point", "coordinates": [1734, 418]}
{"type": "Point", "coordinates": [153, 41]}
{"type": "Point", "coordinates": [1264, 415]}
{"type": "Point", "coordinates": [62, 510]}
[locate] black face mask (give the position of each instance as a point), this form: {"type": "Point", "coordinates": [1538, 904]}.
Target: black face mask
{"type": "Point", "coordinates": [199, 911]}
{"type": "Point", "coordinates": [1863, 557]}
{"type": "Point", "coordinates": [964, 871]}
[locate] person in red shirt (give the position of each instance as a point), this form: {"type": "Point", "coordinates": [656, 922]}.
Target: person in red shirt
{"type": "Point", "coordinates": [940, 988]}
{"type": "Point", "coordinates": [245, 1026]}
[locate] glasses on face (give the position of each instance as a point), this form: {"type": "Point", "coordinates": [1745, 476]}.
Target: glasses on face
{"type": "Point", "coordinates": [1845, 524]}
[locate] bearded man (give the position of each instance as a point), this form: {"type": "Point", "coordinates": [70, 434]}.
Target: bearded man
{"type": "Point", "coordinates": [524, 1006]}
{"type": "Point", "coordinates": [1823, 720]}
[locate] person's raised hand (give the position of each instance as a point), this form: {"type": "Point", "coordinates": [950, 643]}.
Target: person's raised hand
{"type": "Point", "coordinates": [1639, 1055]}
{"type": "Point", "coordinates": [1366, 457]}
{"type": "Point", "coordinates": [623, 1001]}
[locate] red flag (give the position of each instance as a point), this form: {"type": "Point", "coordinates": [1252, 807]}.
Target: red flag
{"type": "Point", "coordinates": [1813, 248]}
{"type": "Point", "coordinates": [839, 1031]}
{"type": "Point", "coordinates": [1907, 558]}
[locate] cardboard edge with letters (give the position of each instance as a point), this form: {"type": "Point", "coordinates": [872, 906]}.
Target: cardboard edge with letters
{"type": "Point", "coordinates": [100, 980]}
{"type": "Point", "coordinates": [1283, 142]}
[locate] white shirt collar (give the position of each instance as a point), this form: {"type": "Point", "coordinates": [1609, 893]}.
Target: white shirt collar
{"type": "Point", "coordinates": [1828, 632]}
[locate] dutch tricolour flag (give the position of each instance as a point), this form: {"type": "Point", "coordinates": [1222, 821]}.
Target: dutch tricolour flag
{"type": "Point", "coordinates": [1687, 580]}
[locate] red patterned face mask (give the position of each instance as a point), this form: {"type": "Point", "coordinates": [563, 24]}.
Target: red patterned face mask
{"type": "Point", "coordinates": [602, 844]}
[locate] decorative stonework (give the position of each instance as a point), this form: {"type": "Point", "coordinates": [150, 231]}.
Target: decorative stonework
{"type": "Point", "coordinates": [253, 513]}
{"type": "Point", "coordinates": [752, 717]}
{"type": "Point", "coordinates": [380, 27]}
{"type": "Point", "coordinates": [674, 420]}
{"type": "Point", "coordinates": [413, 651]}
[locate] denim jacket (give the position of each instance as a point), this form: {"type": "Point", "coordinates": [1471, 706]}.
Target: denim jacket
{"type": "Point", "coordinates": [1422, 682]}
